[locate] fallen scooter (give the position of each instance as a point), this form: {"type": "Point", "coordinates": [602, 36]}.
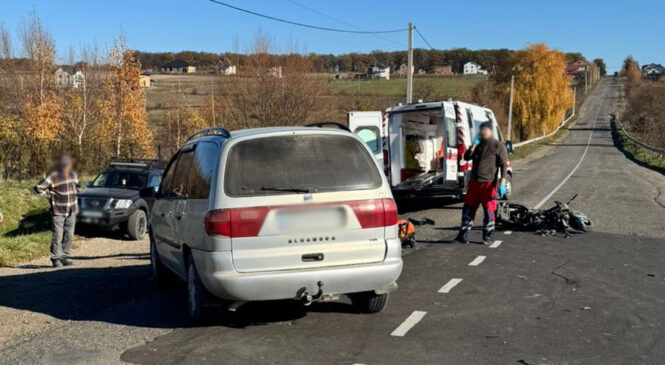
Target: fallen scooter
{"type": "Point", "coordinates": [558, 219]}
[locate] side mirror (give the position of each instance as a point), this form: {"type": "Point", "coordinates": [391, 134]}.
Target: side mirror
{"type": "Point", "coordinates": [88, 184]}
{"type": "Point", "coordinates": [148, 192]}
{"type": "Point", "coordinates": [509, 147]}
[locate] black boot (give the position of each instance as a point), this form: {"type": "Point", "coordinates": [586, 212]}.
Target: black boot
{"type": "Point", "coordinates": [56, 263]}
{"type": "Point", "coordinates": [66, 262]}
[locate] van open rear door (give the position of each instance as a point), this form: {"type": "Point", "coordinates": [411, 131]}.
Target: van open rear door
{"type": "Point", "coordinates": [369, 127]}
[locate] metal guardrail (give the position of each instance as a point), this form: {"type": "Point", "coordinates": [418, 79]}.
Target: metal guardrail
{"type": "Point", "coordinates": [524, 143]}
{"type": "Point", "coordinates": [634, 140]}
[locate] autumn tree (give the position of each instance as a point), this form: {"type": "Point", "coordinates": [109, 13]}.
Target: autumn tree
{"type": "Point", "coordinates": [181, 121]}
{"type": "Point", "coordinates": [542, 90]}
{"type": "Point", "coordinates": [601, 66]}
{"type": "Point", "coordinates": [123, 121]}
{"type": "Point", "coordinates": [275, 91]}
{"type": "Point", "coordinates": [631, 70]}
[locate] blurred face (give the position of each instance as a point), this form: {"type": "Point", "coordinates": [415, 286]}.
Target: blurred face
{"type": "Point", "coordinates": [486, 133]}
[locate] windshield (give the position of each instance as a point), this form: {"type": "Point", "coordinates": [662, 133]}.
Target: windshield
{"type": "Point", "coordinates": [298, 164]}
{"type": "Point", "coordinates": [120, 180]}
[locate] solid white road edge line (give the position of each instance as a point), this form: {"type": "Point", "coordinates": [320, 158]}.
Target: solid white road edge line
{"type": "Point", "coordinates": [477, 261]}
{"type": "Point", "coordinates": [496, 244]}
{"type": "Point", "coordinates": [450, 285]}
{"type": "Point", "coordinates": [588, 143]}
{"type": "Point", "coordinates": [408, 323]}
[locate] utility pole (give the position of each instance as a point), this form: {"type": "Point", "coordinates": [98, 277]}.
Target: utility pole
{"type": "Point", "coordinates": [409, 72]}
{"type": "Point", "coordinates": [212, 102]}
{"type": "Point", "coordinates": [510, 108]}
{"type": "Point", "coordinates": [574, 97]}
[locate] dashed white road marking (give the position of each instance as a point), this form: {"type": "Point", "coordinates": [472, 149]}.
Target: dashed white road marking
{"type": "Point", "coordinates": [496, 244]}
{"type": "Point", "coordinates": [450, 285]}
{"type": "Point", "coordinates": [477, 261]}
{"type": "Point", "coordinates": [408, 323]}
{"type": "Point", "coordinates": [588, 143]}
{"type": "Point", "coordinates": [508, 232]}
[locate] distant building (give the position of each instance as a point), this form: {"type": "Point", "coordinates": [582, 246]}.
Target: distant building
{"type": "Point", "coordinates": [144, 80]}
{"type": "Point", "coordinates": [472, 68]}
{"type": "Point", "coordinates": [442, 70]}
{"type": "Point", "coordinates": [653, 71]}
{"type": "Point", "coordinates": [275, 72]}
{"type": "Point", "coordinates": [576, 67]}
{"type": "Point", "coordinates": [178, 66]}
{"type": "Point", "coordinates": [69, 77]}
{"type": "Point", "coordinates": [378, 72]}
{"type": "Point", "coordinates": [225, 67]}
{"type": "Point", "coordinates": [403, 69]}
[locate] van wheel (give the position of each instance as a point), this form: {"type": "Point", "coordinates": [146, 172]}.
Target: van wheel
{"type": "Point", "coordinates": [197, 295]}
{"type": "Point", "coordinates": [137, 225]}
{"type": "Point", "coordinates": [369, 302]}
{"type": "Point", "coordinates": [159, 271]}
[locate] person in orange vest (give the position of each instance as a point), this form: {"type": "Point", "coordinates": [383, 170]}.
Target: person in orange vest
{"type": "Point", "coordinates": [489, 157]}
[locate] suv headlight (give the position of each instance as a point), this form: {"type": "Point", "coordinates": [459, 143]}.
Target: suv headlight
{"type": "Point", "coordinates": [121, 204]}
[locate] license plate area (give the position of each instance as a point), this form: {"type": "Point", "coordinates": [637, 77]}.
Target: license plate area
{"type": "Point", "coordinates": [310, 220]}
{"type": "Point", "coordinates": [92, 214]}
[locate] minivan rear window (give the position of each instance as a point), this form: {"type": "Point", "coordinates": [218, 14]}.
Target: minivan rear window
{"type": "Point", "coordinates": [299, 164]}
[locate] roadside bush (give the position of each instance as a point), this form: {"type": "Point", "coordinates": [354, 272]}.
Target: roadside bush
{"type": "Point", "coordinates": [645, 112]}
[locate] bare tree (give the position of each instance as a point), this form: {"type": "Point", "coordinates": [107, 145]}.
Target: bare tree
{"type": "Point", "coordinates": [39, 49]}
{"type": "Point", "coordinates": [5, 43]}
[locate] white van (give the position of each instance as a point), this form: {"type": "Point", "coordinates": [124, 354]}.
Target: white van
{"type": "Point", "coordinates": [421, 145]}
{"type": "Point", "coordinates": [276, 213]}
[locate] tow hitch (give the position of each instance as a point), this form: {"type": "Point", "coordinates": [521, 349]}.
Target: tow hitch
{"type": "Point", "coordinates": [308, 298]}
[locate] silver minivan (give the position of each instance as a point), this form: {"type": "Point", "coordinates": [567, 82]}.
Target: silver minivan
{"type": "Point", "coordinates": [276, 213]}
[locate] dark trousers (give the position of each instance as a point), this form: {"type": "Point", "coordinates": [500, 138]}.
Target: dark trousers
{"type": "Point", "coordinates": [479, 193]}
{"type": "Point", "coordinates": [62, 232]}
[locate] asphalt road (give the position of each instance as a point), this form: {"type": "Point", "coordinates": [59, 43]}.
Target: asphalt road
{"type": "Point", "coordinates": [590, 299]}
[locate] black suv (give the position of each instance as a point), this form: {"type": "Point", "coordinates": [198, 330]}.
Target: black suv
{"type": "Point", "coordinates": [112, 199]}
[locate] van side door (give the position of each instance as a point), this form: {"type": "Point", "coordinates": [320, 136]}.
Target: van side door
{"type": "Point", "coordinates": [201, 177]}
{"type": "Point", "coordinates": [160, 217]}
{"type": "Point", "coordinates": [369, 127]}
{"type": "Point", "coordinates": [449, 154]}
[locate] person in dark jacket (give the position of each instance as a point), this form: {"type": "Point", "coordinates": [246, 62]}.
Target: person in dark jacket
{"type": "Point", "coordinates": [488, 157]}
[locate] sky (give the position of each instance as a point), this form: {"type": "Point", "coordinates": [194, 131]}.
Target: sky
{"type": "Point", "coordinates": [605, 29]}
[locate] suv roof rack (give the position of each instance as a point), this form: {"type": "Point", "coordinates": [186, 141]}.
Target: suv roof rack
{"type": "Point", "coordinates": [138, 163]}
{"type": "Point", "coordinates": [326, 123]}
{"type": "Point", "coordinates": [212, 131]}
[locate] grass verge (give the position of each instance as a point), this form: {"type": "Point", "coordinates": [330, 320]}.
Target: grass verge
{"type": "Point", "coordinates": [636, 153]}
{"type": "Point", "coordinates": [531, 148]}
{"type": "Point", "coordinates": [24, 234]}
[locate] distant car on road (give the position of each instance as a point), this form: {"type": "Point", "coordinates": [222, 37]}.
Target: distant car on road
{"type": "Point", "coordinates": [276, 213]}
{"type": "Point", "coordinates": [112, 200]}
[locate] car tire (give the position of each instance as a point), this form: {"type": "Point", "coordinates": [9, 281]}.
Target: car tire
{"type": "Point", "coordinates": [160, 273]}
{"type": "Point", "coordinates": [198, 297]}
{"type": "Point", "coordinates": [369, 302]}
{"type": "Point", "coordinates": [137, 225]}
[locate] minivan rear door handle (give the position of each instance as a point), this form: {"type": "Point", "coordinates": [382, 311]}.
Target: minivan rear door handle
{"type": "Point", "coordinates": [312, 257]}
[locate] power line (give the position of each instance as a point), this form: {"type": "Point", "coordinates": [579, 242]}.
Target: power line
{"type": "Point", "coordinates": [306, 25]}
{"type": "Point", "coordinates": [343, 22]}
{"type": "Point", "coordinates": [423, 37]}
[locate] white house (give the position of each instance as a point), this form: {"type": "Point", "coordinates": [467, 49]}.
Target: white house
{"type": "Point", "coordinates": [472, 68]}
{"type": "Point", "coordinates": [378, 72]}
{"type": "Point", "coordinates": [225, 67]}
{"type": "Point", "coordinates": [68, 77]}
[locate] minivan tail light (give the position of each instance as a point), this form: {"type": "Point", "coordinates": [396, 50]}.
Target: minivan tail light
{"type": "Point", "coordinates": [241, 222]}
{"type": "Point", "coordinates": [375, 213]}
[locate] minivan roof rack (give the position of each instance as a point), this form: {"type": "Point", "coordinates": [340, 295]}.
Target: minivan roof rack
{"type": "Point", "coordinates": [323, 124]}
{"type": "Point", "coordinates": [138, 163]}
{"type": "Point", "coordinates": [212, 131]}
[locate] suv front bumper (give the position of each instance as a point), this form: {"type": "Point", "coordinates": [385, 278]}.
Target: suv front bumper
{"type": "Point", "coordinates": [104, 218]}
{"type": "Point", "coordinates": [220, 278]}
